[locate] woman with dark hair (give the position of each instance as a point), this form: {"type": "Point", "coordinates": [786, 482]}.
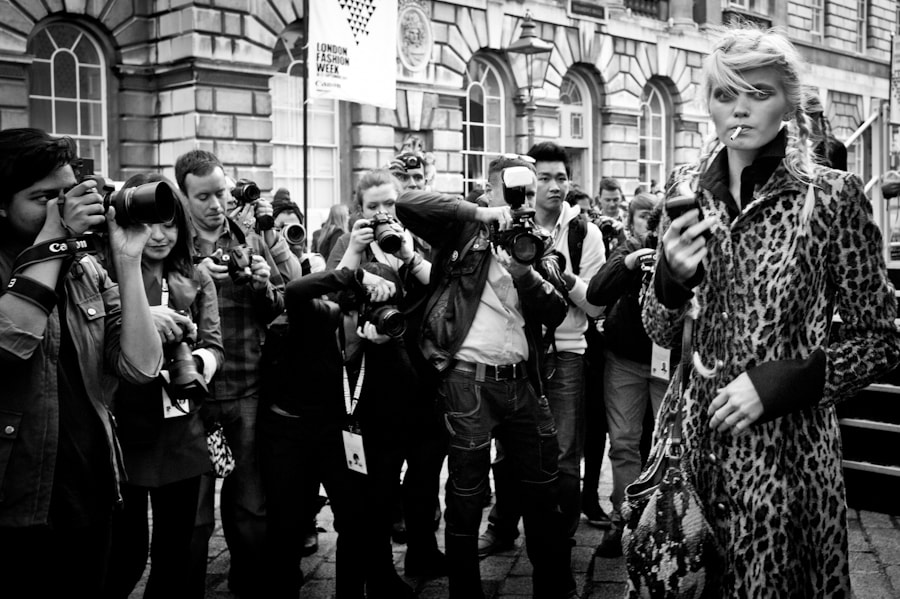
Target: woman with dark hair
{"type": "Point", "coordinates": [337, 224]}
{"type": "Point", "coordinates": [163, 439]}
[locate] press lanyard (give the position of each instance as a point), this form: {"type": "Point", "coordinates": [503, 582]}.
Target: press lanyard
{"type": "Point", "coordinates": [351, 401]}
{"type": "Point", "coordinates": [164, 295]}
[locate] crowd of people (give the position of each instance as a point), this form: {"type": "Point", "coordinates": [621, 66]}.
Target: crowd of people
{"type": "Point", "coordinates": [510, 333]}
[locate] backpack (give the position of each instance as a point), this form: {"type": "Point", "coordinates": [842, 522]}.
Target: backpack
{"type": "Point", "coordinates": [577, 233]}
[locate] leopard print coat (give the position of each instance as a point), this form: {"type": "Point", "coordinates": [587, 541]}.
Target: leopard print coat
{"type": "Point", "coordinates": [775, 495]}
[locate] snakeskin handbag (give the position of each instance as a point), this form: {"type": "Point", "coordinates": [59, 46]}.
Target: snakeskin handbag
{"type": "Point", "coordinates": [670, 548]}
{"type": "Point", "coordinates": [219, 452]}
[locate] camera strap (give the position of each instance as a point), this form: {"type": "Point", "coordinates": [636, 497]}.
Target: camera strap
{"type": "Point", "coordinates": [350, 401]}
{"type": "Point", "coordinates": [60, 248]}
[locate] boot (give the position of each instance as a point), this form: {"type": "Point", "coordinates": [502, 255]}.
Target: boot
{"type": "Point", "coordinates": [463, 567]}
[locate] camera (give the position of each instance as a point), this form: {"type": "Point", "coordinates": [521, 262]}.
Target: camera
{"type": "Point", "coordinates": [246, 192]}
{"type": "Point", "coordinates": [524, 240]}
{"type": "Point", "coordinates": [185, 380]}
{"type": "Point", "coordinates": [238, 260]}
{"type": "Point", "coordinates": [388, 238]}
{"type": "Point", "coordinates": [551, 266]}
{"type": "Point", "coordinates": [646, 262]}
{"type": "Point", "coordinates": [294, 233]}
{"type": "Point", "coordinates": [148, 204]}
{"type": "Point", "coordinates": [387, 318]}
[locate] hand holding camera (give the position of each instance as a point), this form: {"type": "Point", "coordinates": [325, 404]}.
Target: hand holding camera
{"type": "Point", "coordinates": [515, 268]}
{"type": "Point", "coordinates": [259, 272]}
{"type": "Point", "coordinates": [215, 266]}
{"type": "Point", "coordinates": [361, 236]}
{"type": "Point", "coordinates": [173, 326]}
{"type": "Point", "coordinates": [378, 289]}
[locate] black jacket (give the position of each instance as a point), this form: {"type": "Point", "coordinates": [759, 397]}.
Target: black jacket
{"type": "Point", "coordinates": [461, 257]}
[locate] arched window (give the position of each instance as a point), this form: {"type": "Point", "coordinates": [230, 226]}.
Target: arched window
{"type": "Point", "coordinates": [484, 131]}
{"type": "Point", "coordinates": [288, 170]}
{"type": "Point", "coordinates": [67, 91]}
{"type": "Point", "coordinates": [576, 128]}
{"type": "Point", "coordinates": [652, 137]}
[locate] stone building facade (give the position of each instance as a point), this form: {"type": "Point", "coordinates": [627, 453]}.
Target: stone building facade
{"type": "Point", "coordinates": [138, 82]}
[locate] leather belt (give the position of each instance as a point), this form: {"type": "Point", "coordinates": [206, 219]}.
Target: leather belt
{"type": "Point", "coordinates": [491, 372]}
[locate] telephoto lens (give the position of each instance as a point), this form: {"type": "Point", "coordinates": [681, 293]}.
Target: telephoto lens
{"type": "Point", "coordinates": [388, 238]}
{"type": "Point", "coordinates": [186, 381]}
{"type": "Point", "coordinates": [294, 233]}
{"type": "Point", "coordinates": [148, 204]}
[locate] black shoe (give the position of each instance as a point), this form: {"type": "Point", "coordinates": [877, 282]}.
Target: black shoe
{"type": "Point", "coordinates": [398, 532]}
{"type": "Point", "coordinates": [595, 514]}
{"type": "Point", "coordinates": [428, 566]}
{"type": "Point", "coordinates": [611, 545]}
{"type": "Point", "coordinates": [389, 587]}
{"type": "Point", "coordinates": [490, 543]}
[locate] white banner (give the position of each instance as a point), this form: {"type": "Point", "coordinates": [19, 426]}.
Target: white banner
{"type": "Point", "coordinates": [895, 80]}
{"type": "Point", "coordinates": [353, 51]}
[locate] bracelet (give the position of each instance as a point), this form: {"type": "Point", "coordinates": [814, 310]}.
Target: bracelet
{"type": "Point", "coordinates": [33, 292]}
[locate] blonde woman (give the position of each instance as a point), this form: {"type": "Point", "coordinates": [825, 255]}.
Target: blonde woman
{"type": "Point", "coordinates": [778, 244]}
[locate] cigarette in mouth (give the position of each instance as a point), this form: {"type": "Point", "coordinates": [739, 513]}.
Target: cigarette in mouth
{"type": "Point", "coordinates": [737, 131]}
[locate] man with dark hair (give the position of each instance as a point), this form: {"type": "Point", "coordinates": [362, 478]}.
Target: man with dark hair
{"type": "Point", "coordinates": [580, 243]}
{"type": "Point", "coordinates": [480, 329]}
{"type": "Point", "coordinates": [611, 199]}
{"type": "Point", "coordinates": [409, 168]}
{"type": "Point", "coordinates": [248, 301]}
{"type": "Point", "coordinates": [66, 329]}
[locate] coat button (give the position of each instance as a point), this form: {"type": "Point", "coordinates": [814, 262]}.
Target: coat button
{"type": "Point", "coordinates": [10, 429]}
{"type": "Point", "coordinates": [724, 316]}
{"type": "Point", "coordinates": [721, 507]}
{"type": "Point", "coordinates": [91, 312]}
{"type": "Point", "coordinates": [713, 458]}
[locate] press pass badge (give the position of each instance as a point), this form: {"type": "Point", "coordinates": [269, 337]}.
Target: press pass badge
{"type": "Point", "coordinates": [659, 362]}
{"type": "Point", "coordinates": [353, 449]}
{"type": "Point", "coordinates": [173, 408]}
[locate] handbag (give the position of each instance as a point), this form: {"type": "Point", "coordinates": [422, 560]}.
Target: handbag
{"type": "Point", "coordinates": [219, 452]}
{"type": "Point", "coordinates": [670, 548]}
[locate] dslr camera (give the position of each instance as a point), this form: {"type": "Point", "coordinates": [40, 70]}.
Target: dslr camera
{"type": "Point", "coordinates": [387, 318]}
{"type": "Point", "coordinates": [293, 233]}
{"type": "Point", "coordinates": [524, 240]}
{"type": "Point", "coordinates": [148, 204]}
{"type": "Point", "coordinates": [246, 192]}
{"type": "Point", "coordinates": [185, 380]}
{"type": "Point", "coordinates": [238, 260]}
{"type": "Point", "coordinates": [388, 238]}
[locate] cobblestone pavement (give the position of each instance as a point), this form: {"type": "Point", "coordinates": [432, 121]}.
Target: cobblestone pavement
{"type": "Point", "coordinates": [874, 562]}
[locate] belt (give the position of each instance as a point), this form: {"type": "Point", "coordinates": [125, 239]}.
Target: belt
{"type": "Point", "coordinates": [491, 372]}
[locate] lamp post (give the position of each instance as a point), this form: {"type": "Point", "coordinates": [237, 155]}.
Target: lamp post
{"type": "Point", "coordinates": [536, 52]}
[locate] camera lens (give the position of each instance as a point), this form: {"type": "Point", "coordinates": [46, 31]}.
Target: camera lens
{"type": "Point", "coordinates": [294, 233]}
{"type": "Point", "coordinates": [389, 321]}
{"type": "Point", "coordinates": [149, 204]}
{"type": "Point", "coordinates": [525, 248]}
{"type": "Point", "coordinates": [388, 240]}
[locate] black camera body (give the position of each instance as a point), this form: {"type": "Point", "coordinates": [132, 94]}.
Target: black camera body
{"type": "Point", "coordinates": [387, 237]}
{"type": "Point", "coordinates": [387, 318]}
{"type": "Point", "coordinates": [238, 259]}
{"type": "Point", "coordinates": [185, 380]}
{"type": "Point", "coordinates": [524, 240]}
{"type": "Point", "coordinates": [246, 192]}
{"type": "Point", "coordinates": [149, 204]}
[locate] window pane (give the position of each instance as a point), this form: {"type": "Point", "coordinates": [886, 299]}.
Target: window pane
{"type": "Point", "coordinates": [656, 126]}
{"type": "Point", "coordinates": [86, 52]}
{"type": "Point", "coordinates": [66, 117]}
{"type": "Point", "coordinates": [491, 85]}
{"type": "Point", "coordinates": [322, 160]}
{"type": "Point", "coordinates": [40, 78]}
{"type": "Point", "coordinates": [323, 191]}
{"type": "Point", "coordinates": [90, 83]}
{"type": "Point", "coordinates": [494, 140]}
{"type": "Point", "coordinates": [322, 128]}
{"type": "Point", "coordinates": [493, 111]}
{"type": "Point", "coordinates": [64, 75]}
{"type": "Point", "coordinates": [476, 96]}
{"type": "Point", "coordinates": [91, 119]}
{"type": "Point", "coordinates": [41, 46]}
{"type": "Point", "coordinates": [41, 115]}
{"type": "Point", "coordinates": [576, 126]}
{"type": "Point", "coordinates": [476, 138]}
{"type": "Point", "coordinates": [91, 149]}
{"type": "Point", "coordinates": [64, 35]}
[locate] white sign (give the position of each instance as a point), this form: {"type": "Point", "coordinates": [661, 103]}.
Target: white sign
{"type": "Point", "coordinates": [353, 51]}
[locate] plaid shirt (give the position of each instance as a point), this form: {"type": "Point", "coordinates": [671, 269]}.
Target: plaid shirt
{"type": "Point", "coordinates": [244, 313]}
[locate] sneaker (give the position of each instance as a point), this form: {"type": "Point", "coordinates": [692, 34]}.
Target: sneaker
{"type": "Point", "coordinates": [595, 514]}
{"type": "Point", "coordinates": [611, 545]}
{"type": "Point", "coordinates": [490, 543]}
{"type": "Point", "coordinates": [430, 565]}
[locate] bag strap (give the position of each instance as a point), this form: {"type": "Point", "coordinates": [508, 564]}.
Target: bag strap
{"type": "Point", "coordinates": [675, 432]}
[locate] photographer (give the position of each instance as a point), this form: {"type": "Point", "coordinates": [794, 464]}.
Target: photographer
{"type": "Point", "coordinates": [628, 383]}
{"type": "Point", "coordinates": [481, 330]}
{"type": "Point", "coordinates": [577, 253]}
{"type": "Point", "coordinates": [64, 329]}
{"type": "Point", "coordinates": [163, 440]}
{"type": "Point", "coordinates": [250, 295]}
{"type": "Point", "coordinates": [405, 423]}
{"type": "Point", "coordinates": [301, 436]}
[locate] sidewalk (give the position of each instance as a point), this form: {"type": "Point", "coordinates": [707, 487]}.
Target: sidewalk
{"type": "Point", "coordinates": [874, 562]}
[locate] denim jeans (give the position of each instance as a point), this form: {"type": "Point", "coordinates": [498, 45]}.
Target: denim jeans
{"type": "Point", "coordinates": [628, 389]}
{"type": "Point", "coordinates": [564, 386]}
{"type": "Point", "coordinates": [474, 410]}
{"type": "Point", "coordinates": [242, 501]}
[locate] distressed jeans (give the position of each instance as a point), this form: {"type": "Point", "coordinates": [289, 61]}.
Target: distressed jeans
{"type": "Point", "coordinates": [473, 411]}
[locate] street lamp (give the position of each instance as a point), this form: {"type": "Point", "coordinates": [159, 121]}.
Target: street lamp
{"type": "Point", "coordinates": [537, 61]}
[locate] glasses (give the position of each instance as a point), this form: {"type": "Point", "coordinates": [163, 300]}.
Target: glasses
{"type": "Point", "coordinates": [522, 157]}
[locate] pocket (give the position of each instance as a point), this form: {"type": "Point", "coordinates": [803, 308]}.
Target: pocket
{"type": "Point", "coordinates": [9, 432]}
{"type": "Point", "coordinates": [93, 311]}
{"type": "Point", "coordinates": [462, 405]}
